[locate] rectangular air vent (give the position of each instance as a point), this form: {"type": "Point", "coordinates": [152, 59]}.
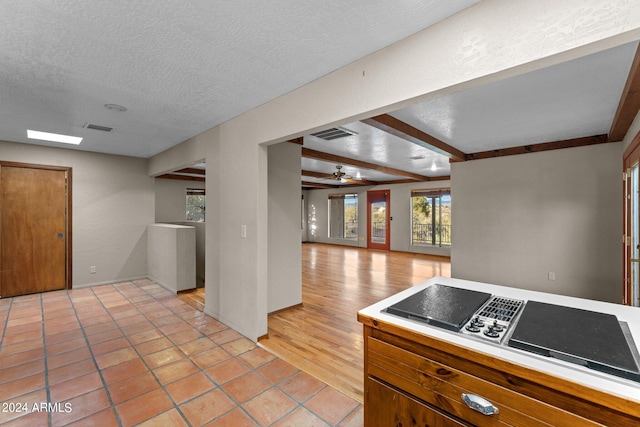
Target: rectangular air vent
{"type": "Point", "coordinates": [333, 133]}
{"type": "Point", "coordinates": [97, 127]}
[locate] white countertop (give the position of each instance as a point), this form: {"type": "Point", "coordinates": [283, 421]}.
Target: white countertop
{"type": "Point", "coordinates": [608, 383]}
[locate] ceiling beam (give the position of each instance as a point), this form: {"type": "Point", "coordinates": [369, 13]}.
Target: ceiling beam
{"type": "Point", "coordinates": [318, 185]}
{"type": "Point", "coordinates": [321, 175]}
{"type": "Point", "coordinates": [299, 140]}
{"type": "Point", "coordinates": [181, 177]}
{"type": "Point", "coordinates": [629, 104]}
{"type": "Point", "coordinates": [536, 148]}
{"type": "Point", "coordinates": [333, 158]}
{"type": "Point", "coordinates": [317, 174]}
{"type": "Point", "coordinates": [193, 171]}
{"type": "Point", "coordinates": [391, 125]}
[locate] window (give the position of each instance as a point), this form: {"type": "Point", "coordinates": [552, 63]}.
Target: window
{"type": "Point", "coordinates": [343, 216]}
{"type": "Point", "coordinates": [195, 204]}
{"type": "Point", "coordinates": [431, 217]}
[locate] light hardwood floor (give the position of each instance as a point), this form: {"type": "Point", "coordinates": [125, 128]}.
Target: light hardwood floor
{"type": "Point", "coordinates": [323, 336]}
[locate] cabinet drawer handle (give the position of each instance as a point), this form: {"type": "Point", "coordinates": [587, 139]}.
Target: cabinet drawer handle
{"type": "Point", "coordinates": [479, 404]}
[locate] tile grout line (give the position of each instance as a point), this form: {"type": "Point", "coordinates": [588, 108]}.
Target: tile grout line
{"type": "Point", "coordinates": [162, 386]}
{"type": "Point", "coordinates": [46, 361]}
{"type": "Point", "coordinates": [274, 385]}
{"type": "Point", "coordinates": [237, 404]}
{"type": "Point", "coordinates": [126, 293]}
{"type": "Point", "coordinates": [95, 362]}
{"type": "Point", "coordinates": [325, 386]}
{"type": "Point", "coordinates": [201, 370]}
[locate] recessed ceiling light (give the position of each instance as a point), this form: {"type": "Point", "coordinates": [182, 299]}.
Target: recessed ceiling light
{"type": "Point", "coordinates": [115, 107]}
{"type": "Point", "coordinates": [55, 137]}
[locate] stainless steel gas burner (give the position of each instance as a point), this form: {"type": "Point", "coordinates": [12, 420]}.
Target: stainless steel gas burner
{"type": "Point", "coordinates": [493, 320]}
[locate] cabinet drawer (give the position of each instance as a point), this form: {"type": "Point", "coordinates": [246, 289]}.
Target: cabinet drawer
{"type": "Point", "coordinates": [389, 407]}
{"type": "Point", "coordinates": [442, 386]}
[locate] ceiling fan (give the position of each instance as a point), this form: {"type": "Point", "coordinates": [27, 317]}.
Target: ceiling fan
{"type": "Point", "coordinates": [338, 175]}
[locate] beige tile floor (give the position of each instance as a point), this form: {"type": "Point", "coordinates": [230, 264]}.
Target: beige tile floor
{"type": "Point", "coordinates": [132, 353]}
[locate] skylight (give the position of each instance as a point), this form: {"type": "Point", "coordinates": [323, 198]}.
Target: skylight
{"type": "Point", "coordinates": [55, 137]}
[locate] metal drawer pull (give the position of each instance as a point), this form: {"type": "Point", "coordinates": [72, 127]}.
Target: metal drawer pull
{"type": "Point", "coordinates": [479, 404]}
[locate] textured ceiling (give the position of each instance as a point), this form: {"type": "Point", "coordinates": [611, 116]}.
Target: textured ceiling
{"type": "Point", "coordinates": [570, 100]}
{"type": "Point", "coordinates": [574, 99]}
{"type": "Point", "coordinates": [179, 67]}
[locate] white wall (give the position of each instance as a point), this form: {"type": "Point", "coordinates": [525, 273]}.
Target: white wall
{"type": "Point", "coordinates": [172, 256]}
{"type": "Point", "coordinates": [517, 218]}
{"type": "Point", "coordinates": [492, 40]}
{"type": "Point", "coordinates": [171, 199]}
{"type": "Point", "coordinates": [317, 217]}
{"type": "Point", "coordinates": [285, 258]}
{"type": "Point", "coordinates": [113, 202]}
{"type": "Point", "coordinates": [171, 208]}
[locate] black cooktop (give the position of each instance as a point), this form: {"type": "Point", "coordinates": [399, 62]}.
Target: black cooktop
{"type": "Point", "coordinates": [441, 305]}
{"type": "Point", "coordinates": [588, 338]}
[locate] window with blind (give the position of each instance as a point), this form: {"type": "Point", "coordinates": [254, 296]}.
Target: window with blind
{"type": "Point", "coordinates": [343, 216]}
{"type": "Point", "coordinates": [431, 217]}
{"type": "Point", "coordinates": [195, 204]}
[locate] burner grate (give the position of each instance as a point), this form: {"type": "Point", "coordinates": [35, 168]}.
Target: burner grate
{"type": "Point", "coordinates": [503, 309]}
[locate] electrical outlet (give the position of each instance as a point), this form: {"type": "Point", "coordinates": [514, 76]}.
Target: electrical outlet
{"type": "Point", "coordinates": [552, 275]}
{"type": "Point", "coordinates": [92, 269]}
{"type": "Point", "coordinates": [243, 231]}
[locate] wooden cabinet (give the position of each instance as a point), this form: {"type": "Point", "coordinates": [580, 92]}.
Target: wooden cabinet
{"type": "Point", "coordinates": [413, 379]}
{"type": "Point", "coordinates": [389, 407]}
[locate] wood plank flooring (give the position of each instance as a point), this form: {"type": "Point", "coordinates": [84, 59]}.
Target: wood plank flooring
{"type": "Point", "coordinates": [323, 337]}
{"type": "Point", "coordinates": [193, 297]}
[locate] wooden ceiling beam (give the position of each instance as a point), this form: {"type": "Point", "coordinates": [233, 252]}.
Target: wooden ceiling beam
{"type": "Point", "coordinates": [299, 140]}
{"type": "Point", "coordinates": [181, 177]}
{"type": "Point", "coordinates": [193, 171]}
{"type": "Point", "coordinates": [321, 175]}
{"type": "Point", "coordinates": [333, 158]}
{"type": "Point", "coordinates": [396, 127]}
{"type": "Point", "coordinates": [629, 104]}
{"type": "Point", "coordinates": [318, 185]}
{"type": "Point", "coordinates": [536, 148]}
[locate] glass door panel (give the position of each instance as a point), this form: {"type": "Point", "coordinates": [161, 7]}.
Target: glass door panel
{"type": "Point", "coordinates": [378, 217]}
{"type": "Point", "coordinates": [378, 221]}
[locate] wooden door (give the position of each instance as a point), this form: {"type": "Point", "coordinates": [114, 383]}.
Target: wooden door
{"type": "Point", "coordinates": [378, 225]}
{"type": "Point", "coordinates": [34, 229]}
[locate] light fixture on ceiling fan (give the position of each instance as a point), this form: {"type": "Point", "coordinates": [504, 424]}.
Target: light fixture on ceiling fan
{"type": "Point", "coordinates": [338, 175]}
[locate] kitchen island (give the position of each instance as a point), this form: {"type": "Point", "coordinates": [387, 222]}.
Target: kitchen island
{"type": "Point", "coordinates": [422, 372]}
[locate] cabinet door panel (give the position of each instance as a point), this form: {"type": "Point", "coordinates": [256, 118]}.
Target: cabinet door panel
{"type": "Point", "coordinates": [385, 406]}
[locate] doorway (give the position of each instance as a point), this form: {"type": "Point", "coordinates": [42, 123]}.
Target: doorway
{"type": "Point", "coordinates": [378, 224]}
{"type": "Point", "coordinates": [35, 228]}
{"type": "Point", "coordinates": [631, 223]}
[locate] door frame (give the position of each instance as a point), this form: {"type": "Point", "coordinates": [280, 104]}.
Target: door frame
{"type": "Point", "coordinates": [630, 157]}
{"type": "Point", "coordinates": [69, 222]}
{"type": "Point", "coordinates": [377, 195]}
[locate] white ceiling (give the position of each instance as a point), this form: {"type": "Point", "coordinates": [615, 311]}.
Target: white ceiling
{"type": "Point", "coordinates": [574, 99]}
{"type": "Point", "coordinates": [179, 67]}
{"type": "Point", "coordinates": [182, 67]}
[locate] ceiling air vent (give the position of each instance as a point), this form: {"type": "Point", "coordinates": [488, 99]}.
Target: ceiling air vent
{"type": "Point", "coordinates": [333, 133]}
{"type": "Point", "coordinates": [97, 127]}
